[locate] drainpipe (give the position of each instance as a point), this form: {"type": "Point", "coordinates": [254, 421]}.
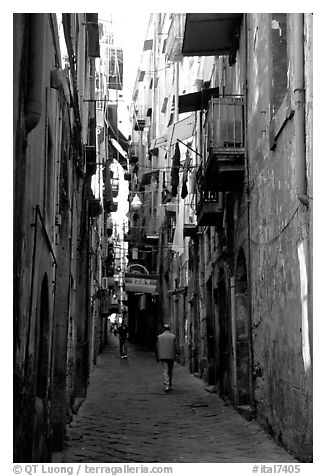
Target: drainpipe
{"type": "Point", "coordinates": [234, 343]}
{"type": "Point", "coordinates": [31, 297]}
{"type": "Point", "coordinates": [247, 185]}
{"type": "Point", "coordinates": [299, 116]}
{"type": "Point", "coordinates": [33, 108]}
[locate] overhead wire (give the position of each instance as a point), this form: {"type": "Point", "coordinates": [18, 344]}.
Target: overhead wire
{"type": "Point", "coordinates": [281, 231]}
{"type": "Point", "coordinates": [148, 71]}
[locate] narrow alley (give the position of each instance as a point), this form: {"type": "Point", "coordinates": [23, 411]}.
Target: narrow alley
{"type": "Point", "coordinates": [127, 417]}
{"type": "Point", "coordinates": [163, 179]}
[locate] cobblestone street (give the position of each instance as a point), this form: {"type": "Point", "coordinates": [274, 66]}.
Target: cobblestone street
{"type": "Point", "coordinates": [127, 417]}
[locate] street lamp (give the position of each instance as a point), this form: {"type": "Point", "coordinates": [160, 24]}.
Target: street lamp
{"type": "Point", "coordinates": [136, 202]}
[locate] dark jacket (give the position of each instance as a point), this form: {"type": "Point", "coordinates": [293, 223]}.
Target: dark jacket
{"type": "Point", "coordinates": [123, 332]}
{"type": "Point", "coordinates": [166, 346]}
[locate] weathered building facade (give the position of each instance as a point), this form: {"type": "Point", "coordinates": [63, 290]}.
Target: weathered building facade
{"type": "Point", "coordinates": [226, 140]}
{"type": "Point", "coordinates": [54, 225]}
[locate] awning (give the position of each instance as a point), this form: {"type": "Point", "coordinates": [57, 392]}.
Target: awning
{"type": "Point", "coordinates": [119, 148]}
{"type": "Point", "coordinates": [157, 143]}
{"type": "Point", "coordinates": [117, 142]}
{"type": "Point", "coordinates": [140, 284]}
{"type": "Point", "coordinates": [160, 141]}
{"type": "Point", "coordinates": [209, 34]}
{"type": "Point", "coordinates": [196, 101]}
{"type": "Point", "coordinates": [122, 159]}
{"type": "Point", "coordinates": [111, 120]}
{"type": "Point", "coordinates": [120, 138]}
{"type": "Point", "coordinates": [181, 130]}
{"type": "Point", "coordinates": [153, 151]}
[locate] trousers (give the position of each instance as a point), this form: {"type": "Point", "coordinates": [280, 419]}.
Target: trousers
{"type": "Point", "coordinates": [167, 365]}
{"type": "Point", "coordinates": [123, 347]}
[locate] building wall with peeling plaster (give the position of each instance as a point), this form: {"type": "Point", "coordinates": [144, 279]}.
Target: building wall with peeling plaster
{"type": "Point", "coordinates": [279, 223]}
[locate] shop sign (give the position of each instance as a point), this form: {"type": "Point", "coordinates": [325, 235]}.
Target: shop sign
{"type": "Point", "coordinates": [136, 284]}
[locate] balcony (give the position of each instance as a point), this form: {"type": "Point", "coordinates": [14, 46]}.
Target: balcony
{"type": "Point", "coordinates": [90, 154]}
{"type": "Point", "coordinates": [190, 227]}
{"type": "Point", "coordinates": [140, 124]}
{"type": "Point", "coordinates": [209, 204]}
{"type": "Point", "coordinates": [95, 207]}
{"type": "Point", "coordinates": [210, 209]}
{"type": "Point", "coordinates": [139, 117]}
{"type": "Point", "coordinates": [133, 235]}
{"type": "Point", "coordinates": [150, 231]}
{"type": "Point", "coordinates": [133, 152]}
{"type": "Point", "coordinates": [109, 227]}
{"type": "Point", "coordinates": [152, 237]}
{"type": "Point", "coordinates": [115, 187]}
{"type": "Point", "coordinates": [175, 37]}
{"type": "Point", "coordinates": [189, 230]}
{"type": "Point", "coordinates": [224, 163]}
{"type": "Point", "coordinates": [91, 142]}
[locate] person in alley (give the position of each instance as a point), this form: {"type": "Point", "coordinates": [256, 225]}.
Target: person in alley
{"type": "Point", "coordinates": [123, 336]}
{"type": "Point", "coordinates": [166, 351]}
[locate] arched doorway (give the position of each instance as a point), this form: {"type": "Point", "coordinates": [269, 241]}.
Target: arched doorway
{"type": "Point", "coordinates": [242, 331]}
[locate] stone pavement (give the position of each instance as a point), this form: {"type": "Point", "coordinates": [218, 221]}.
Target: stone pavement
{"type": "Point", "coordinates": [127, 417]}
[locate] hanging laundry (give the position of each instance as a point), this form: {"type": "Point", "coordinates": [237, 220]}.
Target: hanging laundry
{"type": "Point", "coordinates": [186, 168]}
{"type": "Point", "coordinates": [108, 187]}
{"type": "Point", "coordinates": [175, 171]}
{"type": "Point", "coordinates": [184, 190]}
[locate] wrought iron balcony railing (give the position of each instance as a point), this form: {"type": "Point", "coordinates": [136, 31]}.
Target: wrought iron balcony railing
{"type": "Point", "coordinates": [223, 164]}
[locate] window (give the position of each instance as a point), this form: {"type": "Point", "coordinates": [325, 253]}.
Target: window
{"type": "Point", "coordinates": [171, 223]}
{"type": "Point", "coordinates": [279, 59]}
{"type": "Point", "coordinates": [280, 95]}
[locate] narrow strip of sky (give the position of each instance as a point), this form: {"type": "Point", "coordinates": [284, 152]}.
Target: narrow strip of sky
{"type": "Point", "coordinates": [130, 33]}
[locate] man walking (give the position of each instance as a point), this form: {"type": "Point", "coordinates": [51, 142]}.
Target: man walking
{"type": "Point", "coordinates": [123, 336]}
{"type": "Point", "coordinates": [165, 352]}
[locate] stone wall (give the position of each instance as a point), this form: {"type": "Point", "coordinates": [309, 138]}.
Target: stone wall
{"type": "Point", "coordinates": [279, 223]}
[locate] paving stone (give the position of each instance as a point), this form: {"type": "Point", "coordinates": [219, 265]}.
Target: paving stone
{"type": "Point", "coordinates": [127, 417]}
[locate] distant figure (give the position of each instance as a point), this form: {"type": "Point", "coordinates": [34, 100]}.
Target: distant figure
{"type": "Point", "coordinates": [115, 329]}
{"type": "Point", "coordinates": [123, 336]}
{"type": "Point", "coordinates": [165, 352]}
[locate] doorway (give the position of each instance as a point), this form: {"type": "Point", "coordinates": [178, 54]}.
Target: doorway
{"type": "Point", "coordinates": [224, 337]}
{"type": "Point", "coordinates": [242, 331]}
{"type": "Point", "coordinates": [42, 345]}
{"type": "Point", "coordinates": [211, 335]}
